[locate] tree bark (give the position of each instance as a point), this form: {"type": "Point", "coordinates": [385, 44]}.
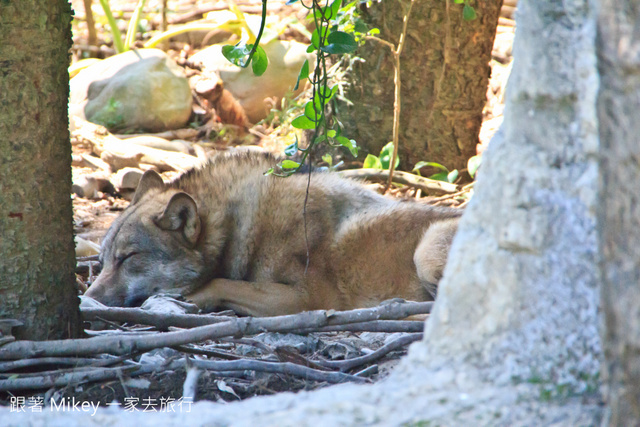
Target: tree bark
{"type": "Point", "coordinates": [619, 212]}
{"type": "Point", "coordinates": [37, 261]}
{"type": "Point", "coordinates": [444, 73]}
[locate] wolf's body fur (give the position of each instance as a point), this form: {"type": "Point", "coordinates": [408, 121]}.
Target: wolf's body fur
{"type": "Point", "coordinates": [236, 240]}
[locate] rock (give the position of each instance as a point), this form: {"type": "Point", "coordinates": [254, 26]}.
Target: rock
{"type": "Point", "coordinates": [86, 247]}
{"type": "Point", "coordinates": [127, 178]}
{"type": "Point", "coordinates": [304, 344]}
{"type": "Point", "coordinates": [176, 145]}
{"type": "Point", "coordinates": [142, 90]}
{"type": "Point", "coordinates": [89, 185]}
{"type": "Point", "coordinates": [168, 305]}
{"type": "Point", "coordinates": [285, 60]}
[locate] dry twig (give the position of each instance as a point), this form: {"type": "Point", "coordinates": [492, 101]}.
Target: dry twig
{"type": "Point", "coordinates": [63, 378]}
{"type": "Point", "coordinates": [345, 365]}
{"type": "Point", "coordinates": [424, 184]}
{"type": "Point", "coordinates": [161, 321]}
{"type": "Point", "coordinates": [238, 327]}
{"type": "Point", "coordinates": [165, 321]}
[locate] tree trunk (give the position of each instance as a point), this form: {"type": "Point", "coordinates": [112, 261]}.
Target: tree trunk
{"type": "Point", "coordinates": [618, 212]}
{"type": "Point", "coordinates": [444, 74]}
{"type": "Point", "coordinates": [37, 259]}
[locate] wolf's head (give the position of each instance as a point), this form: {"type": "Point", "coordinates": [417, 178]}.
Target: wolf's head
{"type": "Point", "coordinates": [151, 248]}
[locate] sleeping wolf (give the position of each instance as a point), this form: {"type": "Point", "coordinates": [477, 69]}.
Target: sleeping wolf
{"type": "Point", "coordinates": [226, 236]}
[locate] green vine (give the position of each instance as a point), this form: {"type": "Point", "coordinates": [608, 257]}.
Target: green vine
{"type": "Point", "coordinates": [327, 39]}
{"type": "Point", "coordinates": [243, 54]}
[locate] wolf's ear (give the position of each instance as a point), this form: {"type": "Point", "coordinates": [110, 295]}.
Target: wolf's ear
{"type": "Point", "coordinates": [181, 212]}
{"type": "Point", "coordinates": [150, 179]}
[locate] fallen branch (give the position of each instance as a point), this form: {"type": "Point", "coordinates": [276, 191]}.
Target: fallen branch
{"type": "Point", "coordinates": [373, 326]}
{"type": "Point", "coordinates": [165, 321]}
{"type": "Point", "coordinates": [462, 191]}
{"type": "Point", "coordinates": [62, 361]}
{"type": "Point", "coordinates": [161, 321]}
{"type": "Point", "coordinates": [424, 184]}
{"type": "Point", "coordinates": [244, 326]}
{"type": "Point", "coordinates": [345, 365]}
{"type": "Point", "coordinates": [278, 368]}
{"type": "Point", "coordinates": [62, 379]}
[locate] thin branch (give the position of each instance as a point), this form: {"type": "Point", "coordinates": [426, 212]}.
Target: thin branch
{"type": "Point", "coordinates": [91, 24]}
{"type": "Point", "coordinates": [58, 361]}
{"type": "Point", "coordinates": [425, 184]}
{"type": "Point", "coordinates": [165, 321]}
{"type": "Point", "coordinates": [238, 327]}
{"type": "Point", "coordinates": [278, 368]}
{"type": "Point", "coordinates": [62, 379]}
{"type": "Point", "coordinates": [207, 352]}
{"type": "Point", "coordinates": [50, 379]}
{"type": "Point", "coordinates": [396, 103]}
{"type": "Point", "coordinates": [161, 321]}
{"type": "Point", "coordinates": [388, 326]}
{"type": "Point", "coordinates": [345, 365]}
{"type": "Point", "coordinates": [464, 190]}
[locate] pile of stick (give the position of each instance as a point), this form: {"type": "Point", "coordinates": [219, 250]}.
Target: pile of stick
{"type": "Point", "coordinates": [111, 355]}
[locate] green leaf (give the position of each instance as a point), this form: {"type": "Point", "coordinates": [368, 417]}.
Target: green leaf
{"type": "Point", "coordinates": [290, 2]}
{"type": "Point", "coordinates": [327, 92]}
{"type": "Point", "coordinates": [320, 139]}
{"type": "Point", "coordinates": [335, 7]}
{"type": "Point", "coordinates": [312, 112]}
{"type": "Point", "coordinates": [440, 176]}
{"type": "Point", "coordinates": [452, 176]}
{"type": "Point", "coordinates": [289, 164]}
{"type": "Point", "coordinates": [359, 26]}
{"type": "Point", "coordinates": [259, 61]}
{"type": "Point", "coordinates": [372, 162]}
{"type": "Point", "coordinates": [269, 172]}
{"type": "Point", "coordinates": [350, 144]}
{"type": "Point", "coordinates": [302, 122]}
{"type": "Point", "coordinates": [327, 13]}
{"type": "Point", "coordinates": [340, 42]}
{"type": "Point", "coordinates": [458, 1]}
{"type": "Point", "coordinates": [315, 36]}
{"type": "Point", "coordinates": [328, 159]}
{"type": "Point", "coordinates": [468, 13]}
{"type": "Point", "coordinates": [331, 133]}
{"type": "Point", "coordinates": [235, 54]}
{"type": "Point", "coordinates": [420, 165]}
{"type": "Point", "coordinates": [304, 73]}
{"type": "Point", "coordinates": [292, 149]}
{"type": "Point", "coordinates": [385, 156]}
{"type": "Point", "coordinates": [473, 164]}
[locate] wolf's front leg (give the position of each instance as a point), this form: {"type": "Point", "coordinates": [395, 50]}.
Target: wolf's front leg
{"type": "Point", "coordinates": [250, 298]}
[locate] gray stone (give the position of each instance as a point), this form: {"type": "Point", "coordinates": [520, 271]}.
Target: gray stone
{"type": "Point", "coordinates": [141, 90]}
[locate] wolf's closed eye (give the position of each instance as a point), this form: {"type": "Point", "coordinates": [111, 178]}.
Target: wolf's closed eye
{"type": "Point", "coordinates": [123, 258]}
